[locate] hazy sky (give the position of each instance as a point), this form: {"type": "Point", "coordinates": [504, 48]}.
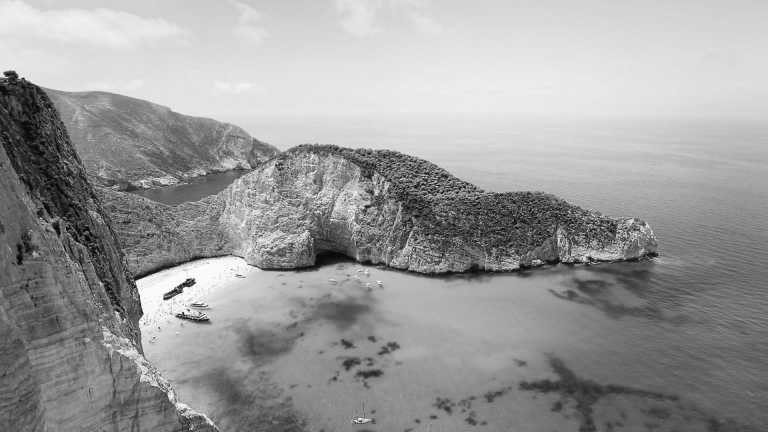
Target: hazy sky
{"type": "Point", "coordinates": [252, 57]}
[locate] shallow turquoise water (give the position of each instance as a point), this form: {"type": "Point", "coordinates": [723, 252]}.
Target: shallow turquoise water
{"type": "Point", "coordinates": [691, 323]}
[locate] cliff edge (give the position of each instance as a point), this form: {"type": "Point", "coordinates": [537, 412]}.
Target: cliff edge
{"type": "Point", "coordinates": [375, 206]}
{"type": "Point", "coordinates": [70, 348]}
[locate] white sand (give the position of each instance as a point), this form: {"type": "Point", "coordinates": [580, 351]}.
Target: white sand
{"type": "Point", "coordinates": [209, 274]}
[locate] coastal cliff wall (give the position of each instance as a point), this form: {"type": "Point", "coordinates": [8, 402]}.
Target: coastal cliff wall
{"type": "Point", "coordinates": [378, 207]}
{"type": "Point", "coordinates": [127, 142]}
{"type": "Point", "coordinates": [155, 236]}
{"type": "Point", "coordinates": [70, 348]}
{"type": "Point", "coordinates": [389, 208]}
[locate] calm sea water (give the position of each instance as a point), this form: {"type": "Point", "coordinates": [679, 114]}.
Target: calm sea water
{"type": "Point", "coordinates": [196, 189]}
{"type": "Point", "coordinates": [692, 323]}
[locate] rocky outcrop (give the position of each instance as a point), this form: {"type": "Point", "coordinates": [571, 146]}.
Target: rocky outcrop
{"type": "Point", "coordinates": [70, 348]}
{"type": "Point", "coordinates": [130, 143]}
{"type": "Point", "coordinates": [155, 236]}
{"type": "Point", "coordinates": [389, 208]}
{"type": "Point", "coordinates": [382, 207]}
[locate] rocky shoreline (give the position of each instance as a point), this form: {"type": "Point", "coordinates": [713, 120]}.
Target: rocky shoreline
{"type": "Point", "coordinates": [374, 206]}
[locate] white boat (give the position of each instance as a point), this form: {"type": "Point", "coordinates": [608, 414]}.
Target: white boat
{"type": "Point", "coordinates": [193, 316]}
{"type": "Point", "coordinates": [199, 305]}
{"type": "Point", "coordinates": [380, 283]}
{"type": "Point", "coordinates": [332, 280]}
{"type": "Point", "coordinates": [363, 419]}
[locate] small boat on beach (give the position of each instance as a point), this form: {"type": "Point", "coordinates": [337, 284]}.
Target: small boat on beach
{"type": "Point", "coordinates": [192, 316]}
{"type": "Point", "coordinates": [179, 288]}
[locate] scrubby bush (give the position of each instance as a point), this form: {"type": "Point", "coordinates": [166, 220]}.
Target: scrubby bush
{"type": "Point", "coordinates": [446, 206]}
{"type": "Point", "coordinates": [11, 75]}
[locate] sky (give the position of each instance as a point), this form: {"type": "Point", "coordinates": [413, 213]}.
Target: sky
{"type": "Point", "coordinates": [376, 57]}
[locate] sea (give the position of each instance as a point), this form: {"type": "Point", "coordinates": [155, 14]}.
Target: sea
{"type": "Point", "coordinates": [674, 343]}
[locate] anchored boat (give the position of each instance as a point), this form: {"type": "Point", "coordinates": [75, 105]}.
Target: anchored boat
{"type": "Point", "coordinates": [363, 419]}
{"type": "Point", "coordinates": [199, 305]}
{"type": "Point", "coordinates": [193, 316]}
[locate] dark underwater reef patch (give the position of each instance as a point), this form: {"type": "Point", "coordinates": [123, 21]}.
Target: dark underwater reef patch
{"type": "Point", "coordinates": [584, 393]}
{"type": "Point", "coordinates": [583, 396]}
{"type": "Point", "coordinates": [251, 401]}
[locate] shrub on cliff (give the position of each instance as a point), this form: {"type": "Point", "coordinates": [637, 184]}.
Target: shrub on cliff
{"type": "Point", "coordinates": [11, 75]}
{"type": "Point", "coordinates": [446, 206]}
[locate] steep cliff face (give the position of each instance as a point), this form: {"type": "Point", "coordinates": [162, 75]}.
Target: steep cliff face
{"type": "Point", "coordinates": [70, 349]}
{"type": "Point", "coordinates": [130, 142]}
{"type": "Point", "coordinates": [155, 236]}
{"type": "Point", "coordinates": [379, 207]}
{"type": "Point", "coordinates": [386, 207]}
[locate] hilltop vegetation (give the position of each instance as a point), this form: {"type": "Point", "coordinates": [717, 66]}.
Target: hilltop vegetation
{"type": "Point", "coordinates": [447, 206]}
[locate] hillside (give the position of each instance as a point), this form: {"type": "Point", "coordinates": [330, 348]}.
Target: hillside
{"type": "Point", "coordinates": [132, 143]}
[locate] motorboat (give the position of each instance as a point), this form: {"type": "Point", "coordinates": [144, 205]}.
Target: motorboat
{"type": "Point", "coordinates": [199, 305]}
{"type": "Point", "coordinates": [193, 316]}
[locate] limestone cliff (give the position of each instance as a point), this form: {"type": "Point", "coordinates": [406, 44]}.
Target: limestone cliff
{"type": "Point", "coordinates": [70, 349]}
{"type": "Point", "coordinates": [381, 207]}
{"type": "Point", "coordinates": [128, 142]}
{"type": "Point", "coordinates": [155, 236]}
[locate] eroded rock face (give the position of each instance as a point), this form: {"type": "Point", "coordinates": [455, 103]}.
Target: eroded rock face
{"type": "Point", "coordinates": [128, 142]}
{"type": "Point", "coordinates": [379, 207]}
{"type": "Point", "coordinates": [310, 201]}
{"type": "Point", "coordinates": [155, 235]}
{"type": "Point", "coordinates": [70, 349]}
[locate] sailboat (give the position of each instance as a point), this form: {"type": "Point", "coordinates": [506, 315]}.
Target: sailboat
{"type": "Point", "coordinates": [363, 419]}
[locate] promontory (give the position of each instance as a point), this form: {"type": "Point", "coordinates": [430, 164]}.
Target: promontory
{"type": "Point", "coordinates": [374, 206]}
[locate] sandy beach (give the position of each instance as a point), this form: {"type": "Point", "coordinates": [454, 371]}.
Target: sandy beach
{"type": "Point", "coordinates": [209, 274]}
